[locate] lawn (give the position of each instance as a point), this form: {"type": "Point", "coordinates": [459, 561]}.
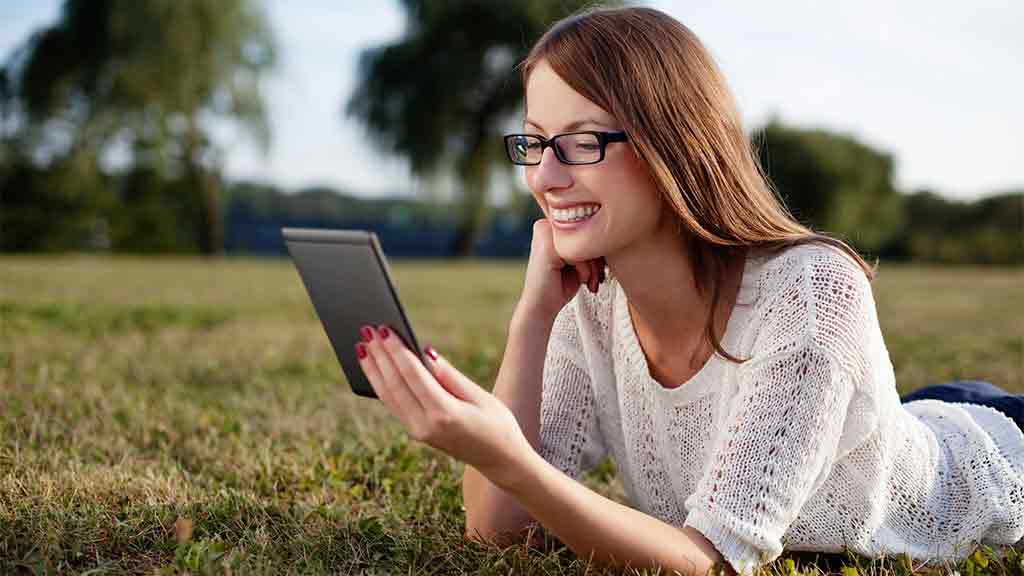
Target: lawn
{"type": "Point", "coordinates": [178, 415]}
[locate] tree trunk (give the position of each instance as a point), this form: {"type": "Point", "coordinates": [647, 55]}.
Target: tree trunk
{"type": "Point", "coordinates": [475, 215]}
{"type": "Point", "coordinates": [210, 227]}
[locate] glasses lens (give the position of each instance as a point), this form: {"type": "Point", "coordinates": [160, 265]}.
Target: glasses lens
{"type": "Point", "coordinates": [524, 149]}
{"type": "Point", "coordinates": [580, 148]}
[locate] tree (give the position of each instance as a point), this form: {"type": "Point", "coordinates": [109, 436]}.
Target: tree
{"type": "Point", "coordinates": [989, 230]}
{"type": "Point", "coordinates": [143, 78]}
{"type": "Point", "coordinates": [833, 183]}
{"type": "Point", "coordinates": [439, 95]}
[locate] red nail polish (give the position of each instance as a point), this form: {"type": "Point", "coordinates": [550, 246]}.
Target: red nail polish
{"type": "Point", "coordinates": [360, 350]}
{"type": "Point", "coordinates": [431, 352]}
{"type": "Point", "coordinates": [366, 334]}
{"type": "Point", "coordinates": [384, 332]}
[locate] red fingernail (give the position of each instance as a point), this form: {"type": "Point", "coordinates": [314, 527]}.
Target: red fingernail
{"type": "Point", "coordinates": [366, 334]}
{"type": "Point", "coordinates": [431, 352]}
{"type": "Point", "coordinates": [384, 332]}
{"type": "Point", "coordinates": [360, 350]}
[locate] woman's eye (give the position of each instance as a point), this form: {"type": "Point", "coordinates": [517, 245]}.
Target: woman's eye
{"type": "Point", "coordinates": [586, 147]}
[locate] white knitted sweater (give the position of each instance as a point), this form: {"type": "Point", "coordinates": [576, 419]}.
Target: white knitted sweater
{"type": "Point", "coordinates": [805, 446]}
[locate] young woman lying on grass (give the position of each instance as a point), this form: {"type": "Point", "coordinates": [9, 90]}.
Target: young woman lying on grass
{"type": "Point", "coordinates": [728, 359]}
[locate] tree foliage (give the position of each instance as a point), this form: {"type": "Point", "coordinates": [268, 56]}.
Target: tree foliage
{"type": "Point", "coordinates": [439, 95]}
{"type": "Point", "coordinates": [986, 231]}
{"type": "Point", "coordinates": [833, 183]}
{"type": "Point", "coordinates": [138, 83]}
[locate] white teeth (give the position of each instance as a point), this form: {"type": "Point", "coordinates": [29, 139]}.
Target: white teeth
{"type": "Point", "coordinates": [575, 213]}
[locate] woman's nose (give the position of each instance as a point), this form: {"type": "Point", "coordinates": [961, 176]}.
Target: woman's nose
{"type": "Point", "coordinates": [550, 173]}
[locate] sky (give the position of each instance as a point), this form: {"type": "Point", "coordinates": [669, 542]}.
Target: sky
{"type": "Point", "coordinates": [937, 84]}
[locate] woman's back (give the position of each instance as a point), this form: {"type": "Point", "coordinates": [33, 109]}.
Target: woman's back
{"type": "Point", "coordinates": [805, 445]}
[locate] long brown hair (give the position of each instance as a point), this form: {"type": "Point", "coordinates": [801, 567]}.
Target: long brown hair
{"type": "Point", "coordinates": [655, 77]}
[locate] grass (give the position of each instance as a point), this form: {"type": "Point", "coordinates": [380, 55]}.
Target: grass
{"type": "Point", "coordinates": [184, 416]}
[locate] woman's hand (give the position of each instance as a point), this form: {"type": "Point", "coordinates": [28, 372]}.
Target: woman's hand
{"type": "Point", "coordinates": [550, 281]}
{"type": "Point", "coordinates": [445, 409]}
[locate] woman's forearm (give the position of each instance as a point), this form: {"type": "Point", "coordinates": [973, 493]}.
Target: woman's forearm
{"type": "Point", "coordinates": [490, 511]}
{"type": "Point", "coordinates": [519, 380]}
{"type": "Point", "coordinates": [597, 527]}
{"type": "Point", "coordinates": [588, 523]}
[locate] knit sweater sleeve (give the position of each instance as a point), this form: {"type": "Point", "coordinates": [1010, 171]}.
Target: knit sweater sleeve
{"type": "Point", "coordinates": [569, 435]}
{"type": "Point", "coordinates": [779, 439]}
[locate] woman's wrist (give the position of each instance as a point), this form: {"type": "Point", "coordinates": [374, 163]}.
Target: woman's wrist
{"type": "Point", "coordinates": [520, 473]}
{"type": "Point", "coordinates": [527, 311]}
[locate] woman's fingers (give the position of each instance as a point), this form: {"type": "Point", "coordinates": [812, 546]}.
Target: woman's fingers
{"type": "Point", "coordinates": [599, 265]}
{"type": "Point", "coordinates": [422, 384]}
{"type": "Point", "coordinates": [583, 273]}
{"type": "Point", "coordinates": [590, 273]}
{"type": "Point", "coordinates": [369, 367]}
{"type": "Point", "coordinates": [456, 383]}
{"type": "Point", "coordinates": [407, 405]}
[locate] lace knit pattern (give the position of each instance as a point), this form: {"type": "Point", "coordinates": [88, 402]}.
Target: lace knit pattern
{"type": "Point", "coordinates": [805, 446]}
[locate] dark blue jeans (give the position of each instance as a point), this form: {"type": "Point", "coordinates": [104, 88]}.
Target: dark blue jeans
{"type": "Point", "coordinates": [973, 392]}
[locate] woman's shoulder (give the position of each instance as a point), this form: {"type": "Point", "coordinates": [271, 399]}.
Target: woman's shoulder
{"type": "Point", "coordinates": [815, 294]}
{"type": "Point", "coordinates": [801, 256]}
{"type": "Point", "coordinates": [813, 270]}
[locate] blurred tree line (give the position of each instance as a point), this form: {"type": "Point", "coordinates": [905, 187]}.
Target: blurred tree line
{"type": "Point", "coordinates": [105, 118]}
{"type": "Point", "coordinates": [843, 187]}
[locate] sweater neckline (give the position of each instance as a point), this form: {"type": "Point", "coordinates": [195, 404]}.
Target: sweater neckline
{"type": "Point", "coordinates": [698, 384]}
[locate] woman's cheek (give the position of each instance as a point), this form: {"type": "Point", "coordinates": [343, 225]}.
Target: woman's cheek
{"type": "Point", "coordinates": [537, 197]}
{"type": "Point", "coordinates": [530, 173]}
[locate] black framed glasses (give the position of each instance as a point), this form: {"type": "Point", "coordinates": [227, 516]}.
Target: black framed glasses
{"type": "Point", "coordinates": [574, 148]}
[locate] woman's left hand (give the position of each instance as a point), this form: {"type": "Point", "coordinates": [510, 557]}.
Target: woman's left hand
{"type": "Point", "coordinates": [445, 409]}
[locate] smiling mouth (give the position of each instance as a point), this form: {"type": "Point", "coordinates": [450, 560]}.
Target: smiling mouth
{"type": "Point", "coordinates": [577, 214]}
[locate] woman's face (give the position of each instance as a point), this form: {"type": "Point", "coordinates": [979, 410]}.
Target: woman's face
{"type": "Point", "coordinates": [628, 199]}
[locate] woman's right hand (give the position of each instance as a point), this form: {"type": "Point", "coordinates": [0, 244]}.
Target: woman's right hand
{"type": "Point", "coordinates": [550, 281]}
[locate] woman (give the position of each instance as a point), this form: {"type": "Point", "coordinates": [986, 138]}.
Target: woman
{"type": "Point", "coordinates": [728, 359]}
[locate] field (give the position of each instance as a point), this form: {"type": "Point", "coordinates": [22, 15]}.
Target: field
{"type": "Point", "coordinates": [178, 415]}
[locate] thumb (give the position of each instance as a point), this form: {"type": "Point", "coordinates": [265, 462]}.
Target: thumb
{"type": "Point", "coordinates": [451, 379]}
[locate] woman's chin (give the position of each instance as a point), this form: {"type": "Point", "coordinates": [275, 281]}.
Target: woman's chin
{"type": "Point", "coordinates": [573, 255]}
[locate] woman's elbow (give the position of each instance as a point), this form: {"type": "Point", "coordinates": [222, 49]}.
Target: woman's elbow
{"type": "Point", "coordinates": [491, 515]}
{"type": "Point", "coordinates": [500, 534]}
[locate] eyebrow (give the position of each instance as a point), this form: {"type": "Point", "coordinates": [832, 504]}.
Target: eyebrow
{"type": "Point", "coordinates": [571, 126]}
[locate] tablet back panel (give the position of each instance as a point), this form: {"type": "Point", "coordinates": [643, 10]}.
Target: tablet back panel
{"type": "Point", "coordinates": [349, 283]}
